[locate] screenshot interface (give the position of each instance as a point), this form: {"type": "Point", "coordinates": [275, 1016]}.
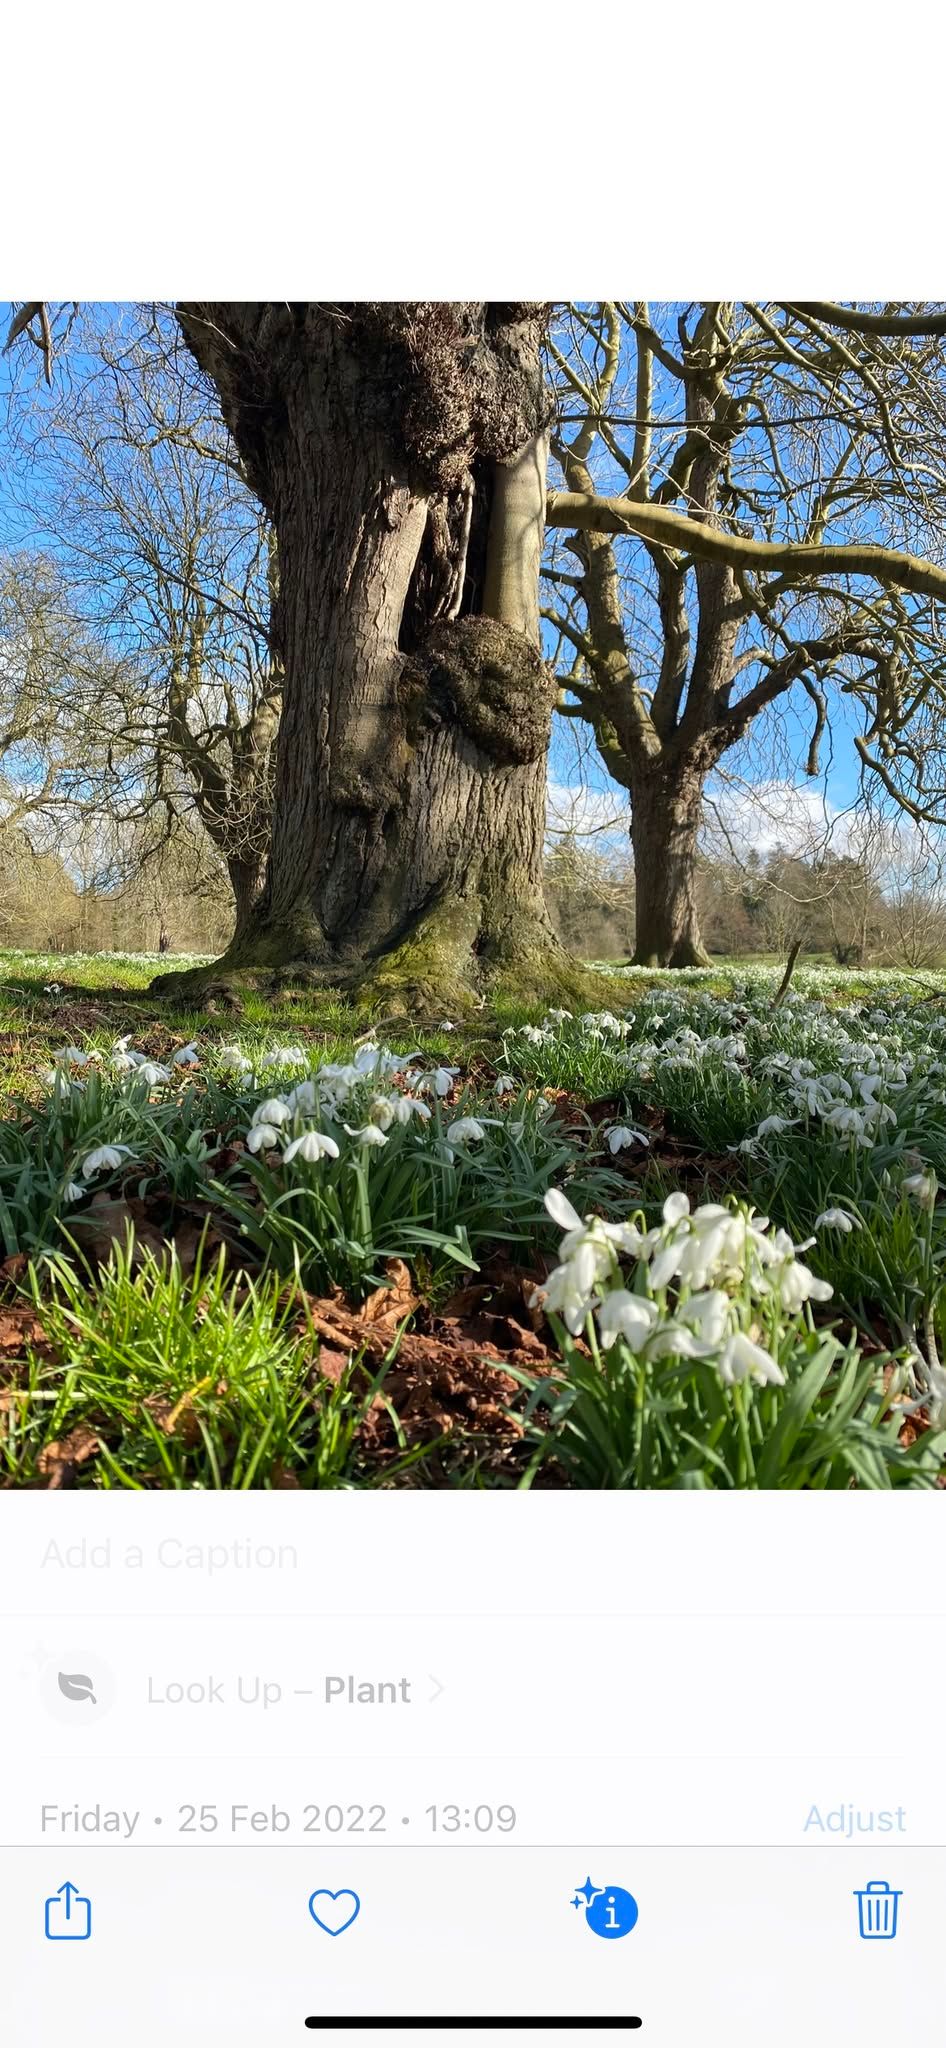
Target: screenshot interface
{"type": "Point", "coordinates": [276, 1774]}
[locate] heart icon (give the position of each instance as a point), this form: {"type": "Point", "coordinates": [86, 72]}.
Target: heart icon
{"type": "Point", "coordinates": [334, 1911]}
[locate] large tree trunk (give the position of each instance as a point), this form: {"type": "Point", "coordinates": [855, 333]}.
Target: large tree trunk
{"type": "Point", "coordinates": [666, 806]}
{"type": "Point", "coordinates": [246, 876]}
{"type": "Point", "coordinates": [400, 452]}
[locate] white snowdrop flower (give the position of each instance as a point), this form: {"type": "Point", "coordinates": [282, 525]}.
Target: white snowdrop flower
{"type": "Point", "coordinates": [505, 1084]}
{"type": "Point", "coordinates": [261, 1138]}
{"type": "Point", "coordinates": [151, 1072]}
{"type": "Point", "coordinates": [123, 1063]}
{"type": "Point", "coordinates": [335, 1080]}
{"type": "Point", "coordinates": [708, 1315]}
{"type": "Point", "coordinates": [533, 1034]}
{"type": "Point", "coordinates": [558, 1016]}
{"type": "Point", "coordinates": [73, 1191]}
{"type": "Point", "coordinates": [795, 1283]}
{"type": "Point", "coordinates": [848, 1122]}
{"type": "Point", "coordinates": [273, 1111]}
{"type": "Point", "coordinates": [404, 1107]}
{"type": "Point", "coordinates": [929, 1381]}
{"type": "Point", "coordinates": [742, 1359]}
{"type": "Point", "coordinates": [283, 1056]}
{"type": "Point", "coordinates": [774, 1126]}
{"type": "Point", "coordinates": [621, 1136]}
{"type": "Point", "coordinates": [595, 1022]}
{"type": "Point", "coordinates": [624, 1235]}
{"type": "Point", "coordinates": [104, 1158]}
{"type": "Point", "coordinates": [921, 1188]}
{"type": "Point", "coordinates": [367, 1058]}
{"type": "Point", "coordinates": [52, 988]}
{"type": "Point", "coordinates": [446, 1025]}
{"type": "Point", "coordinates": [836, 1219]}
{"type": "Point", "coordinates": [303, 1097]}
{"type": "Point", "coordinates": [233, 1060]}
{"type": "Point", "coordinates": [466, 1130]}
{"type": "Point", "coordinates": [438, 1082]}
{"type": "Point", "coordinates": [588, 1255]}
{"type": "Point", "coordinates": [187, 1057]}
{"type": "Point", "coordinates": [382, 1110]}
{"type": "Point", "coordinates": [73, 1056]}
{"type": "Point", "coordinates": [369, 1134]}
{"type": "Point", "coordinates": [631, 1316]}
{"type": "Point", "coordinates": [122, 1044]}
{"type": "Point", "coordinates": [676, 1207]}
{"type": "Point", "coordinates": [569, 1291]}
{"type": "Point", "coordinates": [312, 1146]}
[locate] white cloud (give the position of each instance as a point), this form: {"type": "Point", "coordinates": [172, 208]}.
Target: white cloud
{"type": "Point", "coordinates": [759, 816]}
{"type": "Point", "coordinates": [602, 815]}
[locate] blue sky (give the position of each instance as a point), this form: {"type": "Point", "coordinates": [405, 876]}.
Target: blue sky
{"type": "Point", "coordinates": [786, 803]}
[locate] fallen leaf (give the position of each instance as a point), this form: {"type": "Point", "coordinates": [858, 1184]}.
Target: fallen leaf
{"type": "Point", "coordinates": [106, 1223]}
{"type": "Point", "coordinates": [389, 1304]}
{"type": "Point", "coordinates": [60, 1460]}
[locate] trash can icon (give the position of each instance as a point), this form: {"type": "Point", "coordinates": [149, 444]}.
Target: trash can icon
{"type": "Point", "coordinates": [877, 1907]}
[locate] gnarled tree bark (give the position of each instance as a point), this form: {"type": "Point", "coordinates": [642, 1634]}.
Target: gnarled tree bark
{"type": "Point", "coordinates": [399, 450]}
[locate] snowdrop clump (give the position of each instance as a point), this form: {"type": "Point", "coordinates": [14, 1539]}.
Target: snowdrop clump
{"type": "Point", "coordinates": [367, 1097]}
{"type": "Point", "coordinates": [708, 1285]}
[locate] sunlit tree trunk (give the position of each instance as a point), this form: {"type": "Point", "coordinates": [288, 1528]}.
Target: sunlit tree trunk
{"type": "Point", "coordinates": [400, 452]}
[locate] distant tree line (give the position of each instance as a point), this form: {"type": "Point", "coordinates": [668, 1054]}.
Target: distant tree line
{"type": "Point", "coordinates": [858, 909]}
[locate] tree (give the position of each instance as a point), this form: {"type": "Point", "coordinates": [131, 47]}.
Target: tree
{"type": "Point", "coordinates": [400, 453]}
{"type": "Point", "coordinates": [165, 556]}
{"type": "Point", "coordinates": [591, 898]}
{"type": "Point", "coordinates": [763, 454]}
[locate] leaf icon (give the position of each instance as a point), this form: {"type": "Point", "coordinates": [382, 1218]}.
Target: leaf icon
{"type": "Point", "coordinates": [76, 1686]}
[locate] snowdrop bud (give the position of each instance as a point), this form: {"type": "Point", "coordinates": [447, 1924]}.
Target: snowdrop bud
{"type": "Point", "coordinates": [921, 1188]}
{"type": "Point", "coordinates": [561, 1211]}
